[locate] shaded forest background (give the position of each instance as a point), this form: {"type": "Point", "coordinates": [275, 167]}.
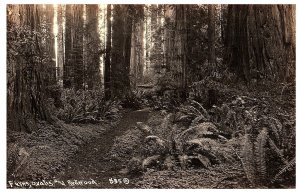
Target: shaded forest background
{"type": "Point", "coordinates": [232, 65]}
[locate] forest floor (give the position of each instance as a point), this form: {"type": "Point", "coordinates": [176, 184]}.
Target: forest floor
{"type": "Point", "coordinates": [93, 162]}
{"type": "Point", "coordinates": [110, 156]}
{"type": "Point", "coordinates": [98, 165]}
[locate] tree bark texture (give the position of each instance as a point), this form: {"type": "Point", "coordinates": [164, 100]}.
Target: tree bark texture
{"type": "Point", "coordinates": [211, 35]}
{"type": "Point", "coordinates": [25, 81]}
{"type": "Point", "coordinates": [74, 68]}
{"type": "Point", "coordinates": [176, 44]}
{"type": "Point", "coordinates": [137, 46]}
{"type": "Point", "coordinates": [107, 65]}
{"type": "Point", "coordinates": [260, 42]}
{"type": "Point", "coordinates": [60, 42]}
{"type": "Point", "coordinates": [93, 47]}
{"type": "Point", "coordinates": [120, 53]}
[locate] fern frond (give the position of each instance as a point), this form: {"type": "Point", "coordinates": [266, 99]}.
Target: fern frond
{"type": "Point", "coordinates": [205, 143]}
{"type": "Point", "coordinates": [204, 160]}
{"type": "Point", "coordinates": [197, 120]}
{"type": "Point", "coordinates": [202, 108]}
{"type": "Point", "coordinates": [286, 168]}
{"type": "Point", "coordinates": [199, 130]}
{"type": "Point", "coordinates": [247, 158]}
{"type": "Point", "coordinates": [156, 139]}
{"type": "Point", "coordinates": [277, 151]}
{"type": "Point", "coordinates": [250, 178]}
{"type": "Point", "coordinates": [275, 128]}
{"type": "Point", "coordinates": [183, 161]}
{"type": "Point", "coordinates": [144, 128]}
{"type": "Point", "coordinates": [150, 161]}
{"type": "Point", "coordinates": [190, 110]}
{"type": "Point", "coordinates": [260, 151]}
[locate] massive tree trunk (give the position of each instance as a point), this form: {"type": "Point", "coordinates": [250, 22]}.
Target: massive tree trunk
{"type": "Point", "coordinates": [181, 44]}
{"type": "Point", "coordinates": [107, 83]}
{"type": "Point", "coordinates": [260, 42]}
{"type": "Point", "coordinates": [93, 47]}
{"type": "Point", "coordinates": [73, 68]}
{"type": "Point", "coordinates": [176, 46]}
{"type": "Point", "coordinates": [48, 44]}
{"type": "Point", "coordinates": [121, 48]}
{"type": "Point", "coordinates": [25, 86]}
{"type": "Point", "coordinates": [137, 46]}
{"type": "Point", "coordinates": [211, 35]}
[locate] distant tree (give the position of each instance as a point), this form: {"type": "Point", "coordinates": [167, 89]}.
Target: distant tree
{"type": "Point", "coordinates": [107, 65]}
{"type": "Point", "coordinates": [74, 68]}
{"type": "Point", "coordinates": [60, 41]}
{"type": "Point", "coordinates": [211, 35]}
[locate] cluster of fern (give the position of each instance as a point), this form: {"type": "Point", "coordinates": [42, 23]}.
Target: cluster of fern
{"type": "Point", "coordinates": [263, 156]}
{"type": "Point", "coordinates": [86, 106]}
{"type": "Point", "coordinates": [170, 145]}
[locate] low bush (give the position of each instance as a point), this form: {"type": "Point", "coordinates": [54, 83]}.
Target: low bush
{"type": "Point", "coordinates": [87, 106]}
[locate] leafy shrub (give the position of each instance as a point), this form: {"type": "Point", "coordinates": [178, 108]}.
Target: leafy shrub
{"type": "Point", "coordinates": [87, 107]}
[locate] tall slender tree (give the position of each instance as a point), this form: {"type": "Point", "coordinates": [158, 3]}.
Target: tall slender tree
{"type": "Point", "coordinates": [74, 68]}
{"type": "Point", "coordinates": [107, 83]}
{"type": "Point", "coordinates": [211, 35]}
{"type": "Point", "coordinates": [60, 41]}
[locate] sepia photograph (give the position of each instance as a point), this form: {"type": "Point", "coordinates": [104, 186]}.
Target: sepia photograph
{"type": "Point", "coordinates": [150, 96]}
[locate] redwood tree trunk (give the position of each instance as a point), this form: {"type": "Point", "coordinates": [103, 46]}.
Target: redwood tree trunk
{"type": "Point", "coordinates": [211, 35]}
{"type": "Point", "coordinates": [260, 42]}
{"type": "Point", "coordinates": [107, 83]}
{"type": "Point", "coordinates": [137, 46]}
{"type": "Point", "coordinates": [25, 86]}
{"type": "Point", "coordinates": [73, 68]}
{"type": "Point", "coordinates": [92, 49]}
{"type": "Point", "coordinates": [60, 42]}
{"type": "Point", "coordinates": [120, 58]}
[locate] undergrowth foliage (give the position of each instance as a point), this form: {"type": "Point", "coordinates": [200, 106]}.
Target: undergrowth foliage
{"type": "Point", "coordinates": [201, 133]}
{"type": "Point", "coordinates": [87, 106]}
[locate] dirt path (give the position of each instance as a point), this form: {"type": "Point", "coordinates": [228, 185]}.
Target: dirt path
{"type": "Point", "coordinates": [92, 162]}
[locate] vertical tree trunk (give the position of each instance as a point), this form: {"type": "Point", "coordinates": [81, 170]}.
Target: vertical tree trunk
{"type": "Point", "coordinates": [68, 67]}
{"type": "Point", "coordinates": [120, 58]}
{"type": "Point", "coordinates": [92, 50]}
{"type": "Point", "coordinates": [74, 69]}
{"type": "Point", "coordinates": [127, 44]}
{"type": "Point", "coordinates": [26, 93]}
{"type": "Point", "coordinates": [178, 57]}
{"type": "Point", "coordinates": [137, 46]}
{"type": "Point", "coordinates": [148, 39]}
{"type": "Point", "coordinates": [48, 43]}
{"type": "Point", "coordinates": [260, 42]}
{"type": "Point", "coordinates": [169, 36]}
{"type": "Point", "coordinates": [140, 44]}
{"type": "Point", "coordinates": [60, 42]}
{"type": "Point", "coordinates": [211, 35]}
{"type": "Point", "coordinates": [176, 45]}
{"type": "Point", "coordinates": [107, 81]}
